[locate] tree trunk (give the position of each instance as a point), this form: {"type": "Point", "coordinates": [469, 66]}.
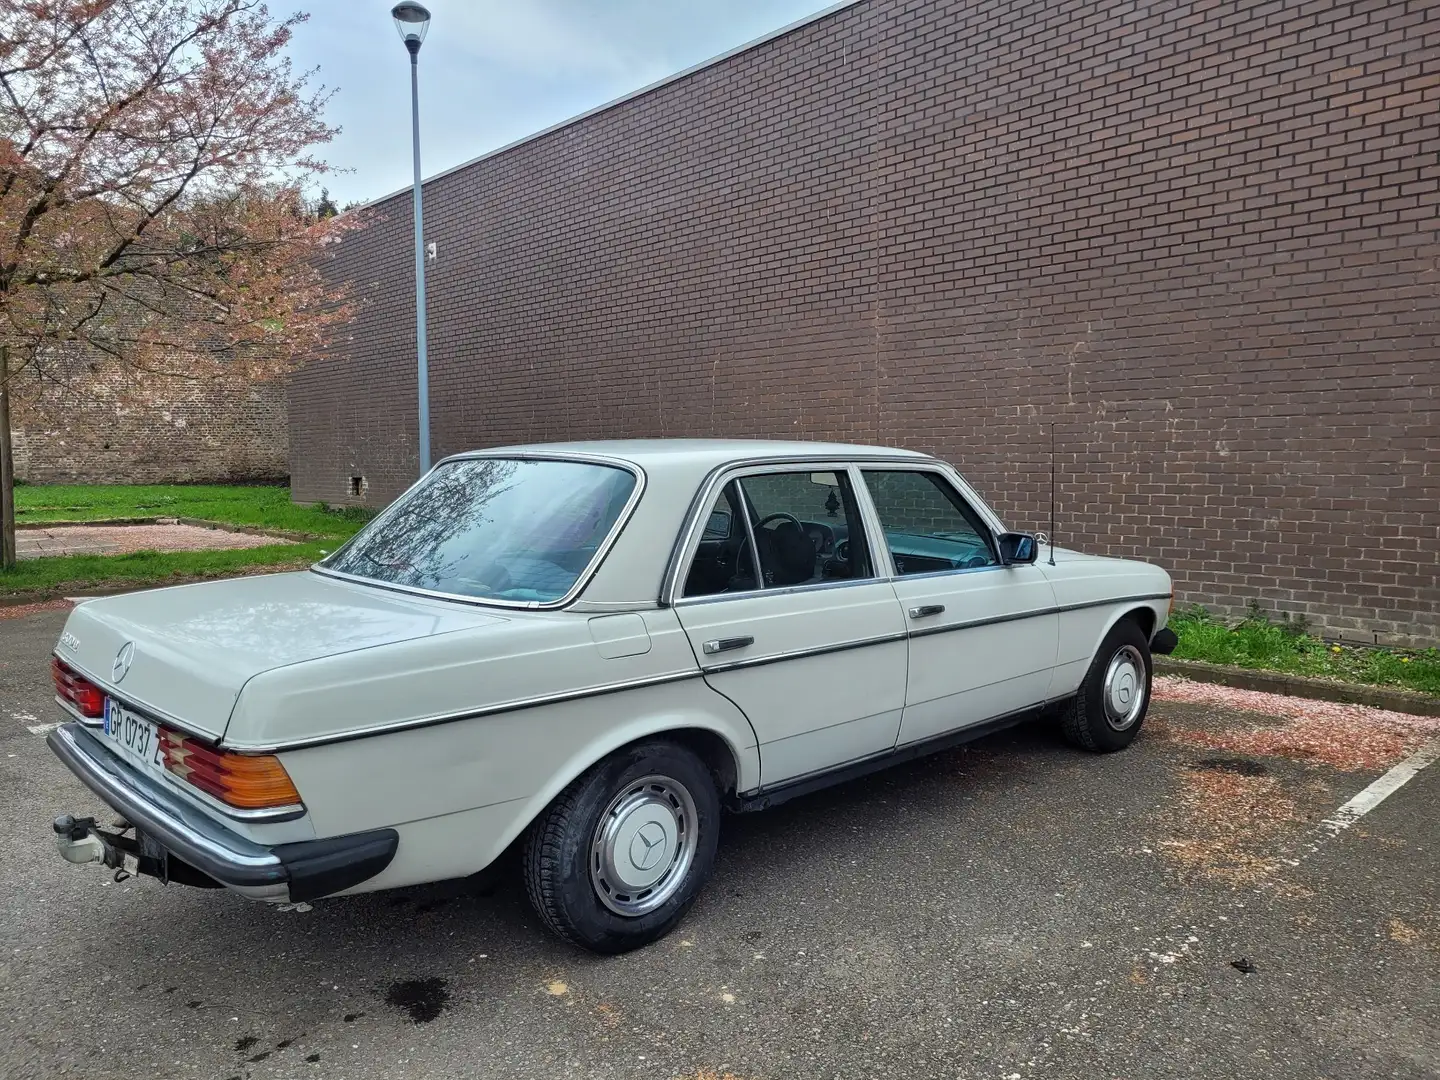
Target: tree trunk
{"type": "Point", "coordinates": [7, 469]}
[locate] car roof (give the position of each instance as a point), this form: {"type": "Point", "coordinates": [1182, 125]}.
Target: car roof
{"type": "Point", "coordinates": [705, 454]}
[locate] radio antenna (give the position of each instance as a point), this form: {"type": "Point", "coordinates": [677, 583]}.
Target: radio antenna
{"type": "Point", "coordinates": [1052, 494]}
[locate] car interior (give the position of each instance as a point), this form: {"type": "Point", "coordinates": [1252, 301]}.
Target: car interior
{"type": "Point", "coordinates": [802, 523]}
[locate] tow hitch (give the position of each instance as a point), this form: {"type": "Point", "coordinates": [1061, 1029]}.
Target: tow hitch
{"type": "Point", "coordinates": [81, 841]}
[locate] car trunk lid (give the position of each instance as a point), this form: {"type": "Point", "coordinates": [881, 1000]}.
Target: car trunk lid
{"type": "Point", "coordinates": [183, 654]}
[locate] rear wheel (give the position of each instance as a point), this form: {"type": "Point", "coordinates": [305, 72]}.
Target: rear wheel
{"type": "Point", "coordinates": [620, 855]}
{"type": "Point", "coordinates": [1110, 708]}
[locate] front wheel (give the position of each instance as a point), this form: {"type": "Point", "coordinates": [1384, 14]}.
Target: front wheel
{"type": "Point", "coordinates": [1107, 713]}
{"type": "Point", "coordinates": [620, 855]}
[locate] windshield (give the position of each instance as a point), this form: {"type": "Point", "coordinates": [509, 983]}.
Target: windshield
{"type": "Point", "coordinates": [521, 531]}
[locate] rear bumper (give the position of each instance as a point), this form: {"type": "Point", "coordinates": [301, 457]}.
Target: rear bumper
{"type": "Point", "coordinates": [1164, 642]}
{"type": "Point", "coordinates": [303, 871]}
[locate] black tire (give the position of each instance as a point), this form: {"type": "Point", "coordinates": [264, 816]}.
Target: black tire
{"type": "Point", "coordinates": [1084, 719]}
{"type": "Point", "coordinates": [564, 874]}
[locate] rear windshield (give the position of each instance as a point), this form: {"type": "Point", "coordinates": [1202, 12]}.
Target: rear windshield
{"type": "Point", "coordinates": [493, 529]}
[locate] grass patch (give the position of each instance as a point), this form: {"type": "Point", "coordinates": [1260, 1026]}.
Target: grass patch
{"type": "Point", "coordinates": [264, 507]}
{"type": "Point", "coordinates": [1260, 644]}
{"type": "Point", "coordinates": [252, 506]}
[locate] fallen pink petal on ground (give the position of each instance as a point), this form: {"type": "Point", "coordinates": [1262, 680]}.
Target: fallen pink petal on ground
{"type": "Point", "coordinates": [1348, 737]}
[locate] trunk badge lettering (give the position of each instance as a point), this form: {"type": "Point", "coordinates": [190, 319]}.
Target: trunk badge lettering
{"type": "Point", "coordinates": [123, 659]}
{"type": "Point", "coordinates": [70, 641]}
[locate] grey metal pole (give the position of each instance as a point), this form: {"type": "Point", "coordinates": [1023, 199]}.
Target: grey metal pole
{"type": "Point", "coordinates": [413, 46]}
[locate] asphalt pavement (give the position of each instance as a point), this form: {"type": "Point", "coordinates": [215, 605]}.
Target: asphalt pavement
{"type": "Point", "coordinates": [1012, 910]}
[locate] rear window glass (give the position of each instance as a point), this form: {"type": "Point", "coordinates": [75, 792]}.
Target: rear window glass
{"type": "Point", "coordinates": [493, 529]}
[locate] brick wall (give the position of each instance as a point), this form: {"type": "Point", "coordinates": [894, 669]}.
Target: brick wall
{"type": "Point", "coordinates": [198, 435]}
{"type": "Point", "coordinates": [1199, 239]}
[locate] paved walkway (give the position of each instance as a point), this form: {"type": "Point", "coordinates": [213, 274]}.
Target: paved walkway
{"type": "Point", "coordinates": [123, 539]}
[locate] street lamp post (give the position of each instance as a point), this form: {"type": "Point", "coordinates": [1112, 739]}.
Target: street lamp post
{"type": "Point", "coordinates": [413, 22]}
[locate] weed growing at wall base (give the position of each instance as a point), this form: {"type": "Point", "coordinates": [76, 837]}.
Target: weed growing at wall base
{"type": "Point", "coordinates": [1258, 643]}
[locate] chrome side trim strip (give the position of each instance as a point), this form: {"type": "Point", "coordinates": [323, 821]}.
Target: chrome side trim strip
{"type": "Point", "coordinates": [655, 680]}
{"type": "Point", "coordinates": [469, 714]}
{"type": "Point", "coordinates": [1114, 600]}
{"type": "Point", "coordinates": [784, 590]}
{"type": "Point", "coordinates": [971, 624]}
{"type": "Point", "coordinates": [801, 654]}
{"type": "Point", "coordinates": [1018, 616]}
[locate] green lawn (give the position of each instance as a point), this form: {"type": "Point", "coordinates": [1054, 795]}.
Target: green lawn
{"type": "Point", "coordinates": [255, 506]}
{"type": "Point", "coordinates": [1258, 643]}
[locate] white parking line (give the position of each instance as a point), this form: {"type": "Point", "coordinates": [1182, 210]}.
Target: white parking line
{"type": "Point", "coordinates": [1381, 789]}
{"type": "Point", "coordinates": [34, 729]}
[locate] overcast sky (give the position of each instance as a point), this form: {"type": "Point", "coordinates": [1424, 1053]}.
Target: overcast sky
{"type": "Point", "coordinates": [493, 71]}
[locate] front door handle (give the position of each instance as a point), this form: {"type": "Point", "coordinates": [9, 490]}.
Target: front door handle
{"type": "Point", "coordinates": [924, 611]}
{"type": "Point", "coordinates": [725, 644]}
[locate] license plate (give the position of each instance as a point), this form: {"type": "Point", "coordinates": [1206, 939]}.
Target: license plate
{"type": "Point", "coordinates": [136, 738]}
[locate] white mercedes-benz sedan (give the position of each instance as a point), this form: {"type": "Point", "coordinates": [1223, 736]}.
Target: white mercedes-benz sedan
{"type": "Point", "coordinates": [585, 651]}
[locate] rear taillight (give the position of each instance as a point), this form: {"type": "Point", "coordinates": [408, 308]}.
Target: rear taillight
{"type": "Point", "coordinates": [75, 689]}
{"type": "Point", "coordinates": [244, 781]}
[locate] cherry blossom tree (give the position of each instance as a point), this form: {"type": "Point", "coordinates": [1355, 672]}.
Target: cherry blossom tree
{"type": "Point", "coordinates": [153, 155]}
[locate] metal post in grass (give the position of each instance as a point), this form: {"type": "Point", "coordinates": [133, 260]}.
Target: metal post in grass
{"type": "Point", "coordinates": [412, 20]}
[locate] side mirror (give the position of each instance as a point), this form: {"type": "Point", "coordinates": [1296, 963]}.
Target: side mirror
{"type": "Point", "coordinates": [1018, 548]}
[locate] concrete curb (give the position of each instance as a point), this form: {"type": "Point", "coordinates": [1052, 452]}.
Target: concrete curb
{"type": "Point", "coordinates": [36, 526]}
{"type": "Point", "coordinates": [1274, 682]}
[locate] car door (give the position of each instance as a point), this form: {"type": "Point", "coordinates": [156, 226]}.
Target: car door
{"type": "Point", "coordinates": [789, 619]}
{"type": "Point", "coordinates": [983, 635]}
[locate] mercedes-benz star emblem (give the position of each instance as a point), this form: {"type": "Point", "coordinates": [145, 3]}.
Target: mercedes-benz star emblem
{"type": "Point", "coordinates": [123, 659]}
{"type": "Point", "coordinates": [648, 847]}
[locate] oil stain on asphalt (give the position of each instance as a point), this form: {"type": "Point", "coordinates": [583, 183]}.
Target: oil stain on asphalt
{"type": "Point", "coordinates": [423, 999]}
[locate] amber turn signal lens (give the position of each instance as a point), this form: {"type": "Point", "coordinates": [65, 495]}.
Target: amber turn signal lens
{"type": "Point", "coordinates": [244, 781]}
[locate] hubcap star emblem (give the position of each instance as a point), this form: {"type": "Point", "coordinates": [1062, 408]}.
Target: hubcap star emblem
{"type": "Point", "coordinates": [648, 847]}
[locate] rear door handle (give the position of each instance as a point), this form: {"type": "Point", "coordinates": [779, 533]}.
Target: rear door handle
{"type": "Point", "coordinates": [725, 644]}
{"type": "Point", "coordinates": [924, 611]}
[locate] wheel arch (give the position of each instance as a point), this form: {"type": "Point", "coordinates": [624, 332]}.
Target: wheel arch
{"type": "Point", "coordinates": [1144, 615]}
{"type": "Point", "coordinates": [721, 746]}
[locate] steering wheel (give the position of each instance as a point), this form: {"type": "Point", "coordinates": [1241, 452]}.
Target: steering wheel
{"type": "Point", "coordinates": [745, 540]}
{"type": "Point", "coordinates": [781, 516]}
{"type": "Point", "coordinates": [975, 562]}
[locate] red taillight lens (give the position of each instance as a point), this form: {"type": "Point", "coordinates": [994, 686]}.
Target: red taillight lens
{"type": "Point", "coordinates": [244, 781]}
{"type": "Point", "coordinates": [71, 686]}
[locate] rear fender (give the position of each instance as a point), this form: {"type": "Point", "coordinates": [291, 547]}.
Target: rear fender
{"type": "Point", "coordinates": [485, 779]}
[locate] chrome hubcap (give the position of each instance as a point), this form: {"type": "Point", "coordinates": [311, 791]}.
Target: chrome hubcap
{"type": "Point", "coordinates": [1125, 688]}
{"type": "Point", "coordinates": [644, 845]}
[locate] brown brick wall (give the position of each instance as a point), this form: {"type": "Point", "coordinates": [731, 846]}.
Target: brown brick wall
{"type": "Point", "coordinates": [198, 435]}
{"type": "Point", "coordinates": [1198, 238]}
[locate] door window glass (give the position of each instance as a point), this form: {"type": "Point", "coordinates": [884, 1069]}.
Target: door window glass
{"type": "Point", "coordinates": [927, 525]}
{"type": "Point", "coordinates": [806, 527]}
{"type": "Point", "coordinates": [717, 567]}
